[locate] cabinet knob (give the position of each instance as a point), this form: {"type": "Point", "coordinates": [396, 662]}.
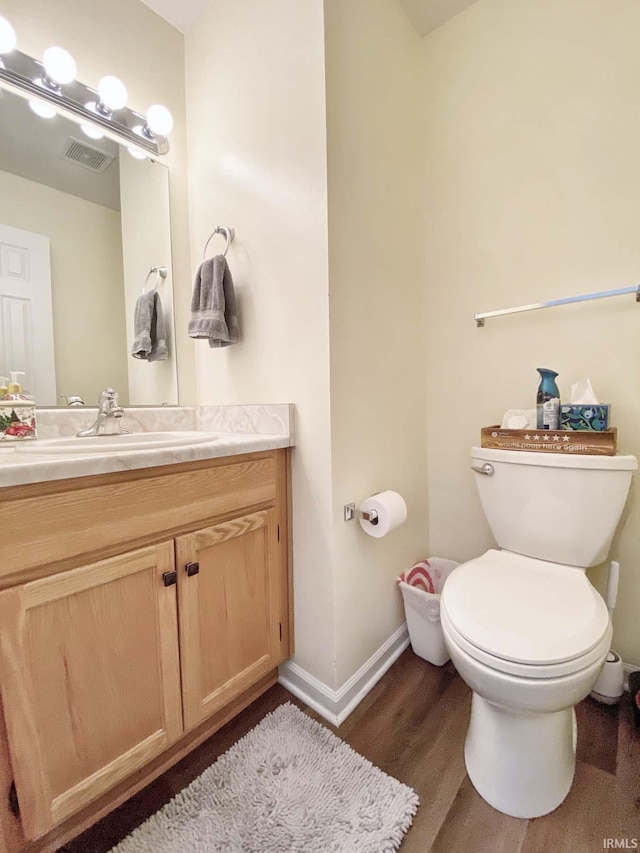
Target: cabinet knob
{"type": "Point", "coordinates": [169, 578]}
{"type": "Point", "coordinates": [192, 569]}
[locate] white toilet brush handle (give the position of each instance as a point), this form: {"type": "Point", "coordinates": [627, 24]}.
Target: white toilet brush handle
{"type": "Point", "coordinates": [612, 585]}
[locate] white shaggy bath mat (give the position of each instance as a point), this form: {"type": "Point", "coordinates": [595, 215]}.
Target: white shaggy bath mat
{"type": "Point", "coordinates": [289, 786]}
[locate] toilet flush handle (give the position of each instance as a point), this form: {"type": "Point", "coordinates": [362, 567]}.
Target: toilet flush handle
{"type": "Point", "coordinates": [483, 469]}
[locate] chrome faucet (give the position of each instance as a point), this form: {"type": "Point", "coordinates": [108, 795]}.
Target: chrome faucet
{"type": "Point", "coordinates": [109, 414]}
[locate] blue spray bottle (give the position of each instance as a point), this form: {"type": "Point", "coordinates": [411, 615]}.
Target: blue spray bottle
{"type": "Point", "coordinates": [548, 400]}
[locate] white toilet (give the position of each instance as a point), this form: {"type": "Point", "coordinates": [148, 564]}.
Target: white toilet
{"type": "Point", "coordinates": [524, 627]}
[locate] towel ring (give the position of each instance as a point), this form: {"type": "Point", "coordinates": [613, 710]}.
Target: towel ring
{"type": "Point", "coordinates": [229, 234]}
{"type": "Point", "coordinates": [161, 272]}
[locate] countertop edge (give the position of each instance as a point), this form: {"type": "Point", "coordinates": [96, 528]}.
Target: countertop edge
{"type": "Point", "coordinates": [18, 470]}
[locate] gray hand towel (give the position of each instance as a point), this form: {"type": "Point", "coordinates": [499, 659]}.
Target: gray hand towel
{"type": "Point", "coordinates": [142, 317]}
{"type": "Point", "coordinates": [213, 305]}
{"type": "Point", "coordinates": [159, 351]}
{"type": "Point", "coordinates": [150, 336]}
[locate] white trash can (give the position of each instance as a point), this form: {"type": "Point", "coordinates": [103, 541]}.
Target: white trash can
{"type": "Point", "coordinates": [421, 587]}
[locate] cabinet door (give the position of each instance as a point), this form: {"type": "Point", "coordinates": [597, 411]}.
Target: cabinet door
{"type": "Point", "coordinates": [229, 603]}
{"type": "Point", "coordinates": [90, 680]}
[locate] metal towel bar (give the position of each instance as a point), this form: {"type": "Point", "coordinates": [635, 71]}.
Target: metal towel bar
{"type": "Point", "coordinates": [229, 234]}
{"type": "Point", "coordinates": [161, 272]}
{"type": "Point", "coordinates": [586, 297]}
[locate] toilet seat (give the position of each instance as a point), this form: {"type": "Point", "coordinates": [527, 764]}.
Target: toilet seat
{"type": "Point", "coordinates": [524, 616]}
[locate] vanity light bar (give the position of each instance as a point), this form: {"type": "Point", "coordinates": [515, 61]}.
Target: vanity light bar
{"type": "Point", "coordinates": [21, 74]}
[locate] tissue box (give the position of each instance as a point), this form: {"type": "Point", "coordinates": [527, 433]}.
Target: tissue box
{"type": "Point", "coordinates": [585, 416]}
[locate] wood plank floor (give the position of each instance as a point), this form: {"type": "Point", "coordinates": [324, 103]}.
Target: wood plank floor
{"type": "Point", "coordinates": [412, 725]}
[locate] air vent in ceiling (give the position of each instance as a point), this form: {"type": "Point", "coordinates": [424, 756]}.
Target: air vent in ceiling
{"type": "Point", "coordinates": [88, 156]}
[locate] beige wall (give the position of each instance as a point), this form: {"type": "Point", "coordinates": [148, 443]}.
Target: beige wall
{"type": "Point", "coordinates": [127, 39]}
{"type": "Point", "coordinates": [256, 133]}
{"type": "Point", "coordinates": [530, 190]}
{"type": "Point", "coordinates": [86, 276]}
{"type": "Point", "coordinates": [376, 266]}
{"type": "Point", "coordinates": [257, 162]}
{"type": "Point", "coordinates": [532, 193]}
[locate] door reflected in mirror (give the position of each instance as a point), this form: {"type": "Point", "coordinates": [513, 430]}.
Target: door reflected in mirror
{"type": "Point", "coordinates": [81, 224]}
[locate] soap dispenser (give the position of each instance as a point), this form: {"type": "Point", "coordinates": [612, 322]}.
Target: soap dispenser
{"type": "Point", "coordinates": [548, 400]}
{"type": "Point", "coordinates": [15, 388]}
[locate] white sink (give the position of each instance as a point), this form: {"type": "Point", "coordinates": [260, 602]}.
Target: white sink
{"type": "Point", "coordinates": [114, 443]}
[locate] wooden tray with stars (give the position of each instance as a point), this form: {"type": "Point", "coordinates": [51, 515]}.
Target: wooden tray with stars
{"type": "Point", "coordinates": [551, 440]}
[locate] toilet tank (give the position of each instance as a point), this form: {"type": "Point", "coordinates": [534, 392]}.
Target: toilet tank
{"type": "Point", "coordinates": [560, 507]}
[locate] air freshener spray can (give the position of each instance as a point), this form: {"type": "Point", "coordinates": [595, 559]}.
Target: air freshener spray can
{"type": "Point", "coordinates": [548, 400]}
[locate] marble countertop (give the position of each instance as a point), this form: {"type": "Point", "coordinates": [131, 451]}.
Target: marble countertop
{"type": "Point", "coordinates": [238, 429]}
{"type": "Point", "coordinates": [17, 468]}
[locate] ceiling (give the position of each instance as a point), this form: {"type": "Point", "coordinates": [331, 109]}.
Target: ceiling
{"type": "Point", "coordinates": [425, 15]}
{"type": "Point", "coordinates": [180, 13]}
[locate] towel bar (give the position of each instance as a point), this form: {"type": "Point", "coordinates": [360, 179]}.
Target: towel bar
{"type": "Point", "coordinates": [229, 234]}
{"type": "Point", "coordinates": [161, 272]}
{"type": "Point", "coordinates": [585, 297]}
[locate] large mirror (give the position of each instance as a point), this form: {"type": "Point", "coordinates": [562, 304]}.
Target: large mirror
{"type": "Point", "coordinates": [82, 223]}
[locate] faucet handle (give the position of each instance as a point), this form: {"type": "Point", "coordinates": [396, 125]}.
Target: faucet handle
{"type": "Point", "coordinates": [109, 394]}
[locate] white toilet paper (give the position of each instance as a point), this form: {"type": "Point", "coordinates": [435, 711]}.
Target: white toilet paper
{"type": "Point", "coordinates": [391, 509]}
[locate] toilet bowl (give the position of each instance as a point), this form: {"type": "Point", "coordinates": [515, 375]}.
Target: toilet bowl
{"type": "Point", "coordinates": [523, 625]}
{"type": "Point", "coordinates": [529, 638]}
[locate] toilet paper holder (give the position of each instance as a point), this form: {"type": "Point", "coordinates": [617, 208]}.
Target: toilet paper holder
{"type": "Point", "coordinates": [351, 512]}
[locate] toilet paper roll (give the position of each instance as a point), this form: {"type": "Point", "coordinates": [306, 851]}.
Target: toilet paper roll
{"type": "Point", "coordinates": [610, 684]}
{"type": "Point", "coordinates": [391, 509]}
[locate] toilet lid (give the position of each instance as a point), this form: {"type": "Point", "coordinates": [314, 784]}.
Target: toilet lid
{"type": "Point", "coordinates": [525, 610]}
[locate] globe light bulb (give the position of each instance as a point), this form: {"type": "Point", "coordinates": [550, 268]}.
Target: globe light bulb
{"type": "Point", "coordinates": [113, 93]}
{"type": "Point", "coordinates": [7, 36]}
{"type": "Point", "coordinates": [159, 119]}
{"type": "Point", "coordinates": [59, 65]}
{"type": "Point", "coordinates": [137, 153]}
{"type": "Point", "coordinates": [91, 131]}
{"type": "Point", "coordinates": [41, 109]}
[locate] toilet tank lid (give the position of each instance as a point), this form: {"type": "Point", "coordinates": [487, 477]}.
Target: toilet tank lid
{"type": "Point", "coordinates": [619, 462]}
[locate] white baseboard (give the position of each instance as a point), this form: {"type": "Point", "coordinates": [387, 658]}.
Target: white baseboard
{"type": "Point", "coordinates": [336, 705]}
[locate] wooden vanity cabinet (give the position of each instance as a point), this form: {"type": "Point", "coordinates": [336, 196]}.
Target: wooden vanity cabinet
{"type": "Point", "coordinates": [229, 606]}
{"type": "Point", "coordinates": [90, 677]}
{"type": "Point", "coordinates": [113, 669]}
